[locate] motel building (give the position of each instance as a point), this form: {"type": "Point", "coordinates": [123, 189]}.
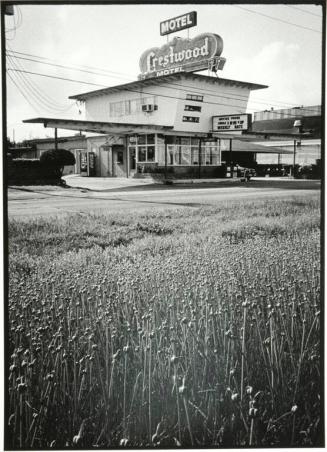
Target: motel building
{"type": "Point", "coordinates": [172, 121]}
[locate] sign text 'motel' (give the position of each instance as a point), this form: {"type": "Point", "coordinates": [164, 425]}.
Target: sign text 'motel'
{"type": "Point", "coordinates": [180, 54]}
{"type": "Point", "coordinates": [227, 123]}
{"type": "Point", "coordinates": [178, 23]}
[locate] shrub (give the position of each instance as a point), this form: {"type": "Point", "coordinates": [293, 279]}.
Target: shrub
{"type": "Point", "coordinates": [30, 171]}
{"type": "Point", "coordinates": [57, 159]}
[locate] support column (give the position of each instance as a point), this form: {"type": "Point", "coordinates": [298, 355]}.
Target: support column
{"type": "Point", "coordinates": [166, 157]}
{"type": "Point", "coordinates": [230, 158]}
{"type": "Point", "coordinates": [200, 144]}
{"type": "Point", "coordinates": [294, 153]}
{"type": "Point", "coordinates": [56, 139]}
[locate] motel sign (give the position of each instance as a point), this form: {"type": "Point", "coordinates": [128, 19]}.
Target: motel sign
{"type": "Point", "coordinates": [178, 23]}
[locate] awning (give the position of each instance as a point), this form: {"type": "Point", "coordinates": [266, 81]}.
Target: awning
{"type": "Point", "coordinates": [114, 128]}
{"type": "Point", "coordinates": [247, 146]}
{"type": "Point", "coordinates": [239, 142]}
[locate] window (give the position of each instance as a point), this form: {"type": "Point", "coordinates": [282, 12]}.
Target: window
{"type": "Point", "coordinates": [142, 153]}
{"type": "Point", "coordinates": [120, 157]}
{"type": "Point", "coordinates": [192, 108]}
{"type": "Point", "coordinates": [195, 97]}
{"type": "Point", "coordinates": [131, 106]}
{"type": "Point", "coordinates": [145, 147]}
{"type": "Point", "coordinates": [190, 119]}
{"type": "Point", "coordinates": [186, 152]}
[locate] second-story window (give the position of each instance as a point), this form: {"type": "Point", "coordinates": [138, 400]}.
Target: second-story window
{"type": "Point", "coordinates": [191, 119]}
{"type": "Point", "coordinates": [192, 108]}
{"type": "Point", "coordinates": [194, 97]}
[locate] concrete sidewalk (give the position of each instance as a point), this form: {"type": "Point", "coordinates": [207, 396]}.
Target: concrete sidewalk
{"type": "Point", "coordinates": [118, 183]}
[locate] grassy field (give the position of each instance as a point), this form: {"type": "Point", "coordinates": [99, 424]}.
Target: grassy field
{"type": "Point", "coordinates": [192, 327]}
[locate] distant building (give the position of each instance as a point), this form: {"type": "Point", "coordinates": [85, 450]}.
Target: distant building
{"type": "Point", "coordinates": [273, 125]}
{"type": "Point", "coordinates": [75, 144]}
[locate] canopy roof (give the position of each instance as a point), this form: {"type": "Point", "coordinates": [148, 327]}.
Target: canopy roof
{"type": "Point", "coordinates": [242, 143]}
{"type": "Point", "coordinates": [98, 126]}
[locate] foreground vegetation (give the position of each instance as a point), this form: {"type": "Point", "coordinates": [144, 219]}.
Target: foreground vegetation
{"type": "Point", "coordinates": [196, 327]}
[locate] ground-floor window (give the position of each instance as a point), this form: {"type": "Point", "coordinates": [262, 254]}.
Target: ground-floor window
{"type": "Point", "coordinates": [183, 151]}
{"type": "Point", "coordinates": [144, 146]}
{"type": "Point", "coordinates": [188, 152]}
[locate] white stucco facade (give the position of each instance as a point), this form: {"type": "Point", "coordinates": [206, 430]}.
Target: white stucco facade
{"type": "Point", "coordinates": [172, 102]}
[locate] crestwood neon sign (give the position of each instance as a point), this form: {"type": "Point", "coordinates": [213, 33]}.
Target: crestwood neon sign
{"type": "Point", "coordinates": [181, 55]}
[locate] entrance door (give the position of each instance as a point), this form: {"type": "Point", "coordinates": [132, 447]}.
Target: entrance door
{"type": "Point", "coordinates": [119, 161]}
{"type": "Point", "coordinates": [132, 160]}
{"type": "Point", "coordinates": [104, 157]}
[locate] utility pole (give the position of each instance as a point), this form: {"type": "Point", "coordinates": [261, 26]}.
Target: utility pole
{"type": "Point", "coordinates": [200, 144]}
{"type": "Point", "coordinates": [294, 153]}
{"type": "Point", "coordinates": [166, 162]}
{"type": "Point", "coordinates": [230, 158]}
{"type": "Point", "coordinates": [56, 139]}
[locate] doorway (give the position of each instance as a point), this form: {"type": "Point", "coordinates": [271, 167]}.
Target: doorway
{"type": "Point", "coordinates": [132, 161]}
{"type": "Point", "coordinates": [119, 161]}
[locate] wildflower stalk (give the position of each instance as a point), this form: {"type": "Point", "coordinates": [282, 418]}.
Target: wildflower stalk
{"type": "Point", "coordinates": [251, 433]}
{"type": "Point", "coordinates": [243, 349]}
{"type": "Point", "coordinates": [271, 352]}
{"type": "Point", "coordinates": [124, 397]}
{"type": "Point", "coordinates": [149, 401]}
{"type": "Point", "coordinates": [188, 419]}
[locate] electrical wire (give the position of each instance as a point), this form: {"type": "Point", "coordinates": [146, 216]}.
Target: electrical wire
{"type": "Point", "coordinates": [42, 99]}
{"type": "Point", "coordinates": [276, 19]}
{"type": "Point", "coordinates": [67, 67]}
{"type": "Point", "coordinates": [241, 107]}
{"type": "Point", "coordinates": [303, 11]}
{"type": "Point", "coordinates": [23, 94]}
{"type": "Point", "coordinates": [38, 92]}
{"type": "Point", "coordinates": [239, 96]}
{"type": "Point", "coordinates": [59, 78]}
{"type": "Point", "coordinates": [43, 96]}
{"type": "Point", "coordinates": [106, 71]}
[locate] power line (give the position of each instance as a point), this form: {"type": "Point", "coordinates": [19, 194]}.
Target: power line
{"type": "Point", "coordinates": [41, 99]}
{"type": "Point", "coordinates": [73, 66]}
{"type": "Point", "coordinates": [146, 92]}
{"type": "Point", "coordinates": [239, 96]}
{"type": "Point", "coordinates": [38, 92]}
{"type": "Point", "coordinates": [59, 78]}
{"type": "Point", "coordinates": [276, 19]}
{"type": "Point", "coordinates": [203, 90]}
{"type": "Point", "coordinates": [65, 67]}
{"type": "Point", "coordinates": [303, 11]}
{"type": "Point", "coordinates": [22, 93]}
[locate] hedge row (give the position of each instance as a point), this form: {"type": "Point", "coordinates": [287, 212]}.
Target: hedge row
{"type": "Point", "coordinates": [30, 171]}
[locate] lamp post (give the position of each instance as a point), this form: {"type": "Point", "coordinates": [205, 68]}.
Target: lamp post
{"type": "Point", "coordinates": [297, 124]}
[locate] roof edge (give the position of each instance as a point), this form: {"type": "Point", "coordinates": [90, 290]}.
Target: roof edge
{"type": "Point", "coordinates": [155, 80]}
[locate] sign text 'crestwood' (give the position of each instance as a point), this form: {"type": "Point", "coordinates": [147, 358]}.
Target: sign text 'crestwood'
{"type": "Point", "coordinates": [178, 55]}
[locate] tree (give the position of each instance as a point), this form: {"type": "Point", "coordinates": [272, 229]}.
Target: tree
{"type": "Point", "coordinates": [57, 159]}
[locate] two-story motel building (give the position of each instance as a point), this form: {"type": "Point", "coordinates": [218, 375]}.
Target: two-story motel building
{"type": "Point", "coordinates": [171, 120]}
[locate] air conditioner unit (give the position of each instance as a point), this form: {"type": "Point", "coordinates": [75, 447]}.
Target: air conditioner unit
{"type": "Point", "coordinates": [149, 108]}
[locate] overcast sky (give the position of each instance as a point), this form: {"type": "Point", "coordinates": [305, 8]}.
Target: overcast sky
{"type": "Point", "coordinates": [258, 44]}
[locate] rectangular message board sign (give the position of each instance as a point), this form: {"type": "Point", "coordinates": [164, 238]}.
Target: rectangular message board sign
{"type": "Point", "coordinates": [228, 123]}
